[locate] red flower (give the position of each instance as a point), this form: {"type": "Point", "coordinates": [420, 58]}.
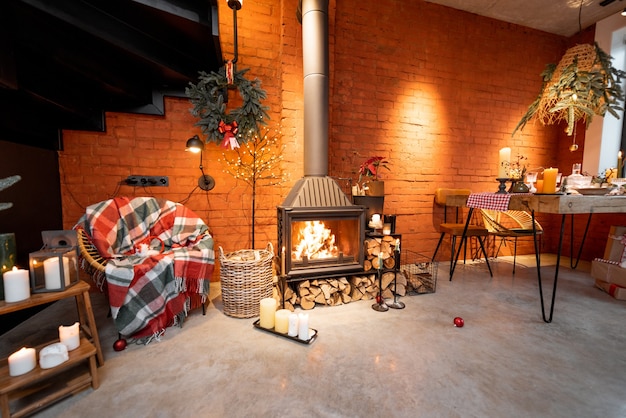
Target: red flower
{"type": "Point", "coordinates": [370, 168]}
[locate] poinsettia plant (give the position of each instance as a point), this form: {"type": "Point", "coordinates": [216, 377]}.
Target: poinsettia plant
{"type": "Point", "coordinates": [371, 167]}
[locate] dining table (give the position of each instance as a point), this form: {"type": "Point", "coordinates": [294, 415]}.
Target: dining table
{"type": "Point", "coordinates": [558, 203]}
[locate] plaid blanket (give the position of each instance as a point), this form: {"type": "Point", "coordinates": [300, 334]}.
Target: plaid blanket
{"type": "Point", "coordinates": [160, 254]}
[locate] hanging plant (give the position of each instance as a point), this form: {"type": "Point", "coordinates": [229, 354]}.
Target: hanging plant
{"type": "Point", "coordinates": [222, 127]}
{"type": "Point", "coordinates": [584, 84]}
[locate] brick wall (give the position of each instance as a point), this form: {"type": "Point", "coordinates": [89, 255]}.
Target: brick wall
{"type": "Point", "coordinates": [435, 90]}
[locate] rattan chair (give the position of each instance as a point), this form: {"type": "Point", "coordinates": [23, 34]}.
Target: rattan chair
{"type": "Point", "coordinates": [89, 252]}
{"type": "Point", "coordinates": [510, 225]}
{"type": "Point", "coordinates": [455, 229]}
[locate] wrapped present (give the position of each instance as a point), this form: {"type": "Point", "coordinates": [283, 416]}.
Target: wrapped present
{"type": "Point", "coordinates": [614, 250]}
{"type": "Point", "coordinates": [608, 271]}
{"type": "Point", "coordinates": [618, 292]}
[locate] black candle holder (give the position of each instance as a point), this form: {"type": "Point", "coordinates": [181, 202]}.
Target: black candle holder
{"type": "Point", "coordinates": [380, 304]}
{"type": "Point", "coordinates": [502, 186]}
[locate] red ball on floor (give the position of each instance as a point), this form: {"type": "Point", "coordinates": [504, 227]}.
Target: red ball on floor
{"type": "Point", "coordinates": [458, 322]}
{"type": "Point", "coordinates": [119, 345]}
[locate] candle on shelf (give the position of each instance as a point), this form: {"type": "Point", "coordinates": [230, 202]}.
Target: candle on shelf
{"type": "Point", "coordinates": [386, 229]}
{"type": "Point", "coordinates": [22, 361]}
{"type": "Point", "coordinates": [16, 285]}
{"type": "Point", "coordinates": [52, 355]}
{"type": "Point", "coordinates": [293, 325]}
{"type": "Point", "coordinates": [268, 312]}
{"type": "Point", "coordinates": [620, 164]}
{"type": "Point", "coordinates": [303, 326]}
{"type": "Point", "coordinates": [549, 180]}
{"type": "Point", "coordinates": [505, 161]}
{"type": "Point", "coordinates": [539, 186]}
{"type": "Point", "coordinates": [375, 218]}
{"type": "Point", "coordinates": [52, 272]}
{"type": "Point", "coordinates": [70, 336]}
{"type": "Point", "coordinates": [281, 321]}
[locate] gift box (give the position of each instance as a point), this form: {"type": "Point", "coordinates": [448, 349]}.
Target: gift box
{"type": "Point", "coordinates": [612, 289]}
{"type": "Point", "coordinates": [608, 272]}
{"type": "Point", "coordinates": [614, 249]}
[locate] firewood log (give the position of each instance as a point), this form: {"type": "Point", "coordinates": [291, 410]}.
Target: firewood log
{"type": "Point", "coordinates": [306, 303]}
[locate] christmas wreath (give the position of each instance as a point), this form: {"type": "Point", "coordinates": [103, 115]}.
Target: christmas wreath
{"type": "Point", "coordinates": [242, 123]}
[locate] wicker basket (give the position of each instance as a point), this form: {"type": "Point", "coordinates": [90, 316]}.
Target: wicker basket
{"type": "Point", "coordinates": [246, 278]}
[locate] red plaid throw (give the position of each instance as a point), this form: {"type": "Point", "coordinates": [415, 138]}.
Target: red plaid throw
{"type": "Point", "coordinates": [486, 200]}
{"type": "Point", "coordinates": [149, 292]}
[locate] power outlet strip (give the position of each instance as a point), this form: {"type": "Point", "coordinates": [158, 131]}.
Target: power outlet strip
{"type": "Point", "coordinates": [147, 181]}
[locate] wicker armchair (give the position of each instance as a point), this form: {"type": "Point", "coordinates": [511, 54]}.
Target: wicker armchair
{"type": "Point", "coordinates": [510, 225]}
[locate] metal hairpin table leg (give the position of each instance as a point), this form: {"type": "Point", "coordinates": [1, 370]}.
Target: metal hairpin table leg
{"type": "Point", "coordinates": [556, 272]}
{"type": "Point", "coordinates": [571, 246]}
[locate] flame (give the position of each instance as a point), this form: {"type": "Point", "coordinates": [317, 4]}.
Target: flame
{"type": "Point", "coordinates": [315, 241]}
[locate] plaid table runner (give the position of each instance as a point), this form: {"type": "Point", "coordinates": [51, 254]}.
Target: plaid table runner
{"type": "Point", "coordinates": [486, 200]}
{"type": "Point", "coordinates": [149, 291]}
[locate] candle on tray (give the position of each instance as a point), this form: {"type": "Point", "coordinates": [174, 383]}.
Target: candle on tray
{"type": "Point", "coordinates": [303, 326]}
{"type": "Point", "coordinates": [268, 312]}
{"type": "Point", "coordinates": [539, 186]}
{"type": "Point", "coordinates": [52, 272]}
{"type": "Point", "coordinates": [22, 361]}
{"type": "Point", "coordinates": [69, 336]}
{"type": "Point", "coordinates": [16, 285]}
{"type": "Point", "coordinates": [281, 321]}
{"type": "Point", "coordinates": [620, 164]}
{"type": "Point", "coordinates": [505, 161]}
{"type": "Point", "coordinates": [549, 180]}
{"type": "Point", "coordinates": [293, 325]}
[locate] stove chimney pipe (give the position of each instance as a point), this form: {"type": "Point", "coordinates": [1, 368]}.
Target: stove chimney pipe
{"type": "Point", "coordinates": [314, 19]}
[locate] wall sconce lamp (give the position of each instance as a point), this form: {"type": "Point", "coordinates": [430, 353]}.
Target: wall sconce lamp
{"type": "Point", "coordinates": [195, 145]}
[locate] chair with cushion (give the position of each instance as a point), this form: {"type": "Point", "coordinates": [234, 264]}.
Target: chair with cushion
{"type": "Point", "coordinates": [455, 229]}
{"type": "Point", "coordinates": [510, 225]}
{"type": "Point", "coordinates": [153, 258]}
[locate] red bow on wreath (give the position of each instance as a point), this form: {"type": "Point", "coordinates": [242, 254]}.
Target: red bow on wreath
{"type": "Point", "coordinates": [229, 130]}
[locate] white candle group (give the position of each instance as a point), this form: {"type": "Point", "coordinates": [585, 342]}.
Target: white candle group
{"type": "Point", "coordinates": [281, 321]}
{"type": "Point", "coordinates": [268, 313]}
{"type": "Point", "coordinates": [70, 336]}
{"type": "Point", "coordinates": [303, 326]}
{"type": "Point", "coordinates": [16, 285]}
{"type": "Point", "coordinates": [52, 272]}
{"type": "Point", "coordinates": [22, 361]}
{"type": "Point", "coordinates": [505, 161]}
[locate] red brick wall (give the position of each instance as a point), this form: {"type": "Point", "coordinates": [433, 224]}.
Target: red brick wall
{"type": "Point", "coordinates": [434, 90]}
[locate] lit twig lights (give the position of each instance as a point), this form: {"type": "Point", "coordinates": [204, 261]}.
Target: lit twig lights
{"type": "Point", "coordinates": [258, 160]}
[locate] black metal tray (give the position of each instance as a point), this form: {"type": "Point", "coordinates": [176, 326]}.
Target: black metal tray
{"type": "Point", "coordinates": [272, 331]}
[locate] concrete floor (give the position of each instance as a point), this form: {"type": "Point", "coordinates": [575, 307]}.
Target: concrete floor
{"type": "Point", "coordinates": [505, 361]}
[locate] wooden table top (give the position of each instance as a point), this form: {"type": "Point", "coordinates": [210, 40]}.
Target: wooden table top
{"type": "Point", "coordinates": [562, 204]}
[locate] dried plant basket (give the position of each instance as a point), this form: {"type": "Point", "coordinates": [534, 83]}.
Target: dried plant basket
{"type": "Point", "coordinates": [246, 278]}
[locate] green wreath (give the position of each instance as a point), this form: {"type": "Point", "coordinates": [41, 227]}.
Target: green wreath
{"type": "Point", "coordinates": [207, 97]}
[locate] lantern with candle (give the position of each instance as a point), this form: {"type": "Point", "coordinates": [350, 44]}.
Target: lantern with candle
{"type": "Point", "coordinates": [54, 268]}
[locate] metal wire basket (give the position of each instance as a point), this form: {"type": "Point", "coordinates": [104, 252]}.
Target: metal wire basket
{"type": "Point", "coordinates": [420, 273]}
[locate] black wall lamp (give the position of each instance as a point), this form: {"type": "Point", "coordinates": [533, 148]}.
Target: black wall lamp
{"type": "Point", "coordinates": [195, 145]}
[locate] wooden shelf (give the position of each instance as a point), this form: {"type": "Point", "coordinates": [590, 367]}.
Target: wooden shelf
{"type": "Point", "coordinates": [32, 391]}
{"type": "Point", "coordinates": [25, 394]}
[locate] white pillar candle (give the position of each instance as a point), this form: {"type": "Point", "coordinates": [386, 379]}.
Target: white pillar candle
{"type": "Point", "coordinates": [52, 355]}
{"type": "Point", "coordinates": [52, 272]}
{"type": "Point", "coordinates": [268, 311]}
{"type": "Point", "coordinates": [293, 325]}
{"type": "Point", "coordinates": [16, 285]}
{"type": "Point", "coordinates": [69, 336]}
{"type": "Point", "coordinates": [505, 161]}
{"type": "Point", "coordinates": [303, 326]}
{"type": "Point", "coordinates": [281, 321]}
{"type": "Point", "coordinates": [375, 218]}
{"type": "Point", "coordinates": [22, 361]}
